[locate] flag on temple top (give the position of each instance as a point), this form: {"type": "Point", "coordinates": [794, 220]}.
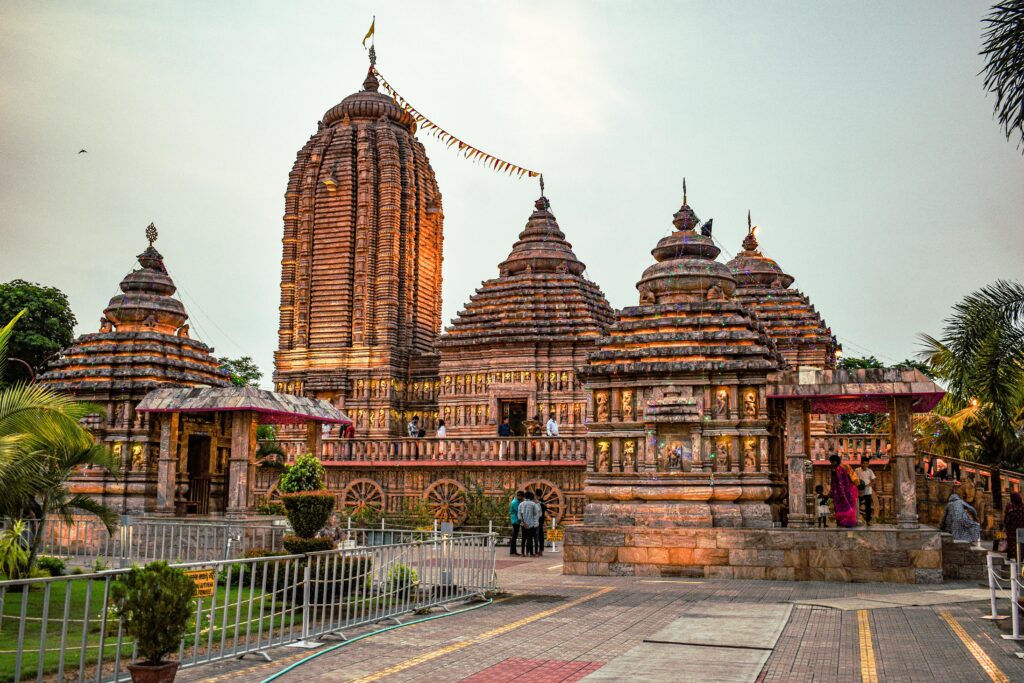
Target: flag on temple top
{"type": "Point", "coordinates": [369, 34]}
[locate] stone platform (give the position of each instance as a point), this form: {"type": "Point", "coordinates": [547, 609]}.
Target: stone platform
{"type": "Point", "coordinates": [880, 553]}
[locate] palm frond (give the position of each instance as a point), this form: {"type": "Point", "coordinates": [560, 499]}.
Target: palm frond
{"type": "Point", "coordinates": [1004, 57]}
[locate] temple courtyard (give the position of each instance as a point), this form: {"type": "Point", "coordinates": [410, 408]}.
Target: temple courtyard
{"type": "Point", "coordinates": [545, 626]}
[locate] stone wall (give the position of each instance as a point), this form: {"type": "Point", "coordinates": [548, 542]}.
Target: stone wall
{"type": "Point", "coordinates": [932, 495]}
{"type": "Point", "coordinates": [890, 555]}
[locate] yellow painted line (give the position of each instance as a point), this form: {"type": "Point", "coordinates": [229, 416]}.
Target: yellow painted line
{"type": "Point", "coordinates": [986, 663]}
{"type": "Point", "coordinates": [868, 670]}
{"type": "Point", "coordinates": [557, 566]}
{"type": "Point", "coordinates": [494, 633]}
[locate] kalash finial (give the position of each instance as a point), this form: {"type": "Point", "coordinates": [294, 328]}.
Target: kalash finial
{"type": "Point", "coordinates": [750, 241]}
{"type": "Point", "coordinates": [684, 191]}
{"type": "Point", "coordinates": [541, 184]}
{"type": "Point", "coordinates": [685, 218]}
{"type": "Point", "coordinates": [151, 234]}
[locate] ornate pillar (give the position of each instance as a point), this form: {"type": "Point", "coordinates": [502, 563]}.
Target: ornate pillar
{"type": "Point", "coordinates": [904, 478]}
{"type": "Point", "coordinates": [314, 438]}
{"type": "Point", "coordinates": [167, 464]}
{"type": "Point", "coordinates": [796, 462]}
{"type": "Point", "coordinates": [243, 437]}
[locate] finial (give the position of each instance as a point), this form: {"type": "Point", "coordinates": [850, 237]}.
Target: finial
{"type": "Point", "coordinates": [750, 227]}
{"type": "Point", "coordinates": [151, 234]}
{"type": "Point", "coordinates": [684, 190]}
{"type": "Point", "coordinates": [750, 241]}
{"type": "Point", "coordinates": [373, 56]}
{"type": "Point", "coordinates": [541, 184]}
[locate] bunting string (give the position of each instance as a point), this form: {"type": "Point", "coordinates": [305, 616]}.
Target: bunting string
{"type": "Point", "coordinates": [467, 150]}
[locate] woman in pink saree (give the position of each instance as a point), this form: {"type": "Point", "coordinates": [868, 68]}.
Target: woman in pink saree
{"type": "Point", "coordinates": [844, 492]}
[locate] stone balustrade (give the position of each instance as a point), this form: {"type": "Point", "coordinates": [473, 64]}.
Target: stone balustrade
{"type": "Point", "coordinates": [852, 448]}
{"type": "Point", "coordinates": [461, 450]}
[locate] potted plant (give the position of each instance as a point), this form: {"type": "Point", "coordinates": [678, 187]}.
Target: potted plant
{"type": "Point", "coordinates": [155, 604]}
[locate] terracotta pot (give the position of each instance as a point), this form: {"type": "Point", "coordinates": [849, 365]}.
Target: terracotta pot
{"type": "Point", "coordinates": [153, 673]}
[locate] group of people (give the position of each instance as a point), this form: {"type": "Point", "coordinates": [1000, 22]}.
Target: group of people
{"type": "Point", "coordinates": [852, 489]}
{"type": "Point", "coordinates": [550, 428]}
{"type": "Point", "coordinates": [414, 430]}
{"type": "Point", "coordinates": [527, 513]}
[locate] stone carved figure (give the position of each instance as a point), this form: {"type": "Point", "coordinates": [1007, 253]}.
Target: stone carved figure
{"type": "Point", "coordinates": [750, 455]}
{"type": "Point", "coordinates": [183, 331]}
{"type": "Point", "coordinates": [629, 455]}
{"type": "Point", "coordinates": [715, 292]}
{"type": "Point", "coordinates": [724, 452]}
{"type": "Point", "coordinates": [627, 405]}
{"type": "Point", "coordinates": [750, 404]}
{"type": "Point", "coordinates": [601, 398]}
{"type": "Point", "coordinates": [647, 297]}
{"type": "Point", "coordinates": [722, 403]}
{"type": "Point", "coordinates": [705, 229]}
{"type": "Point", "coordinates": [604, 454]}
{"type": "Point", "coordinates": [105, 325]}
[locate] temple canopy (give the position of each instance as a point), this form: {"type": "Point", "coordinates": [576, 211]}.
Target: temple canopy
{"type": "Point", "coordinates": [870, 390]}
{"type": "Point", "coordinates": [272, 408]}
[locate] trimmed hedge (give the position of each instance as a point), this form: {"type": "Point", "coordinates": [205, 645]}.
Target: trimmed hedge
{"type": "Point", "coordinates": [308, 511]}
{"type": "Point", "coordinates": [307, 474]}
{"type": "Point", "coordinates": [298, 545]}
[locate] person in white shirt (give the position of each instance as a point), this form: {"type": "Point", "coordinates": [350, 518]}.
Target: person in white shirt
{"type": "Point", "coordinates": [552, 425]}
{"type": "Point", "coordinates": [442, 431]}
{"type": "Point", "coordinates": [866, 476]}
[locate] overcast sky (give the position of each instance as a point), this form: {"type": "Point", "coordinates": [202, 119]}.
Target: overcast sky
{"type": "Point", "coordinates": [858, 134]}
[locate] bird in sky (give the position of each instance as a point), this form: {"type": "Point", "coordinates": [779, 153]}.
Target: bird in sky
{"type": "Point", "coordinates": [82, 151]}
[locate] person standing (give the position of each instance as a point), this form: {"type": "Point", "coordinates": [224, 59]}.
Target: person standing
{"type": "Point", "coordinates": [541, 521]}
{"type": "Point", "coordinates": [1013, 519]}
{"type": "Point", "coordinates": [413, 428]}
{"type": "Point", "coordinates": [513, 513]}
{"type": "Point", "coordinates": [552, 426]}
{"type": "Point", "coordinates": [529, 514]}
{"type": "Point", "coordinates": [866, 476]}
{"type": "Point", "coordinates": [504, 432]}
{"type": "Point", "coordinates": [844, 492]}
{"type": "Point", "coordinates": [442, 432]}
{"type": "Point", "coordinates": [822, 501]}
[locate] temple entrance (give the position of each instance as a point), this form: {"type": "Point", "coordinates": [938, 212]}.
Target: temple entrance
{"type": "Point", "coordinates": [515, 411]}
{"type": "Point", "coordinates": [198, 474]}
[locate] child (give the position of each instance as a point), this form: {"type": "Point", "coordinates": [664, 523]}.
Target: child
{"type": "Point", "coordinates": [822, 498]}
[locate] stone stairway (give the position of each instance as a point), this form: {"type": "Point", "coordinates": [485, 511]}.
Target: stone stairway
{"type": "Point", "coordinates": [963, 561]}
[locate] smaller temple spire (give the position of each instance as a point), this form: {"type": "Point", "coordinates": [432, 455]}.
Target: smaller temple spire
{"type": "Point", "coordinates": [684, 190]}
{"type": "Point", "coordinates": [750, 241]}
{"type": "Point", "coordinates": [151, 234]}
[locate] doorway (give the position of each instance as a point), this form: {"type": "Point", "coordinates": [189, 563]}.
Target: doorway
{"type": "Point", "coordinates": [515, 411]}
{"type": "Point", "coordinates": [198, 474]}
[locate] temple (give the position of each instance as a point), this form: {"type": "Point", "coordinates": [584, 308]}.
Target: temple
{"type": "Point", "coordinates": [514, 351]}
{"type": "Point", "coordinates": [680, 418]}
{"type": "Point", "coordinates": [361, 271]}
{"type": "Point", "coordinates": [143, 344]}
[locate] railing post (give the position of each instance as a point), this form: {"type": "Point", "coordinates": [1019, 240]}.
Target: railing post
{"type": "Point", "coordinates": [1014, 607]}
{"type": "Point", "coordinates": [989, 561]}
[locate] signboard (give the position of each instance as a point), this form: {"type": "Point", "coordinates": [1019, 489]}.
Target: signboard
{"type": "Point", "coordinates": [204, 580]}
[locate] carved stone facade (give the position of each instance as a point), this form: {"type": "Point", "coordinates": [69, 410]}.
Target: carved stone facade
{"type": "Point", "coordinates": [515, 348]}
{"type": "Point", "coordinates": [799, 332]}
{"type": "Point", "coordinates": [680, 418]}
{"type": "Point", "coordinates": [361, 270]}
{"type": "Point", "coordinates": [143, 343]}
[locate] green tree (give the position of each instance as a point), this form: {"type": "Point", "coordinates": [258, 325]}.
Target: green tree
{"type": "Point", "coordinates": [873, 423]}
{"type": "Point", "coordinates": [980, 360]}
{"type": "Point", "coordinates": [244, 371]}
{"type": "Point", "coordinates": [41, 444]}
{"type": "Point", "coordinates": [46, 328]}
{"type": "Point", "coordinates": [1004, 64]}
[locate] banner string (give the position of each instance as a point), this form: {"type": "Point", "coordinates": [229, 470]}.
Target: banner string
{"type": "Point", "coordinates": [467, 150]}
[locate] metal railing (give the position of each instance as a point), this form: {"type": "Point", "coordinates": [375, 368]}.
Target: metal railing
{"type": "Point", "coordinates": [66, 626]}
{"type": "Point", "coordinates": [143, 539]}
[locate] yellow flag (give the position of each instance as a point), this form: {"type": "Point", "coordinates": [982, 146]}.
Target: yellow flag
{"type": "Point", "coordinates": [369, 34]}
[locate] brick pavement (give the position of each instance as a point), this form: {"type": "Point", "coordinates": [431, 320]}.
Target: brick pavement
{"type": "Point", "coordinates": [574, 623]}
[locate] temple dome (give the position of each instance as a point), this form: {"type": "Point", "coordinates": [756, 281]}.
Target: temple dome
{"type": "Point", "coordinates": [540, 293]}
{"type": "Point", "coordinates": [370, 104]}
{"type": "Point", "coordinates": [687, 320]}
{"type": "Point", "coordinates": [146, 302]}
{"type": "Point", "coordinates": [798, 330]}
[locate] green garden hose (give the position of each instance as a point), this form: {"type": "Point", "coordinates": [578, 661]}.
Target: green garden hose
{"type": "Point", "coordinates": [342, 644]}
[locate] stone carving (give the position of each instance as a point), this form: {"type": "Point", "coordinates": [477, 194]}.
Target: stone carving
{"type": "Point", "coordinates": [601, 398]}
{"type": "Point", "coordinates": [705, 228]}
{"type": "Point", "coordinates": [183, 331]}
{"type": "Point", "coordinates": [721, 409]}
{"type": "Point", "coordinates": [750, 455]}
{"type": "Point", "coordinates": [629, 455]}
{"type": "Point", "coordinates": [105, 325]}
{"type": "Point", "coordinates": [627, 405]}
{"type": "Point", "coordinates": [750, 404]}
{"type": "Point", "coordinates": [715, 293]}
{"type": "Point", "coordinates": [604, 454]}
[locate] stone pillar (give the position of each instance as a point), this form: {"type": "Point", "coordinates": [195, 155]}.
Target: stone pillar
{"type": "Point", "coordinates": [167, 464]}
{"type": "Point", "coordinates": [796, 461]}
{"type": "Point", "coordinates": [314, 438]}
{"type": "Point", "coordinates": [243, 430]}
{"type": "Point", "coordinates": [904, 478]}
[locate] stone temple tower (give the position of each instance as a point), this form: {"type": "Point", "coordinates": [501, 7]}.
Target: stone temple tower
{"type": "Point", "coordinates": [361, 269]}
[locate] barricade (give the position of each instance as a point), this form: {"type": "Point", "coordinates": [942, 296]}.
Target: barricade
{"type": "Point", "coordinates": [257, 603]}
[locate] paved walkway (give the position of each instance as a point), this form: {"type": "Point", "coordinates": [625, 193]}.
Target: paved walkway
{"type": "Point", "coordinates": [550, 627]}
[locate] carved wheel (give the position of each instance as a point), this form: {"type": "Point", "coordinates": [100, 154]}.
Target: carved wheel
{"type": "Point", "coordinates": [551, 494]}
{"type": "Point", "coordinates": [361, 494]}
{"type": "Point", "coordinates": [446, 500]}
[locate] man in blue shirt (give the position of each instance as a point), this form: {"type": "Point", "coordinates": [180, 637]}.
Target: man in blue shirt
{"type": "Point", "coordinates": [513, 513]}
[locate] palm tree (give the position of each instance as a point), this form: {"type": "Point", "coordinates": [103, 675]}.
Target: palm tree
{"type": "Point", "coordinates": [980, 359]}
{"type": "Point", "coordinates": [1004, 64]}
{"type": "Point", "coordinates": [41, 444]}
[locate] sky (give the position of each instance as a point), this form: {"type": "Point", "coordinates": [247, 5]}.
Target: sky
{"type": "Point", "coordinates": [858, 134]}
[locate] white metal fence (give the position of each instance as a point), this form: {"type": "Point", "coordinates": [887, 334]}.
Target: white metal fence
{"type": "Point", "coordinates": [65, 629]}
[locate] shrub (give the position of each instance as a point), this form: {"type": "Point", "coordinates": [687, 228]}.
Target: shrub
{"type": "Point", "coordinates": [400, 579]}
{"type": "Point", "coordinates": [482, 509]}
{"type": "Point", "coordinates": [307, 474]}
{"type": "Point", "coordinates": [270, 507]}
{"type": "Point", "coordinates": [266, 433]}
{"type": "Point", "coordinates": [308, 511]}
{"type": "Point", "coordinates": [14, 551]}
{"type": "Point", "coordinates": [155, 604]}
{"type": "Point", "coordinates": [298, 545]}
{"type": "Point", "coordinates": [54, 565]}
{"type": "Point", "coordinates": [257, 568]}
{"type": "Point", "coordinates": [367, 517]}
